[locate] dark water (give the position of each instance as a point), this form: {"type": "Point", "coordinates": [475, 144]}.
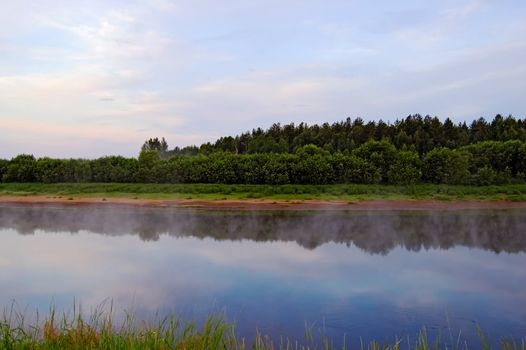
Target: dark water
{"type": "Point", "coordinates": [365, 274]}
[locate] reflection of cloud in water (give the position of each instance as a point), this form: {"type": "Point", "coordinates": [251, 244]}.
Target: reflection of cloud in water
{"type": "Point", "coordinates": [257, 264]}
{"type": "Point", "coordinates": [97, 267]}
{"type": "Point", "coordinates": [153, 272]}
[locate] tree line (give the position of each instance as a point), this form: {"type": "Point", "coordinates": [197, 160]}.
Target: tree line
{"type": "Point", "coordinates": [415, 133]}
{"type": "Point", "coordinates": [480, 163]}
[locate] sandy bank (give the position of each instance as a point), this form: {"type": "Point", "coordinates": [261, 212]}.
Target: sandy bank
{"type": "Point", "coordinates": [267, 204]}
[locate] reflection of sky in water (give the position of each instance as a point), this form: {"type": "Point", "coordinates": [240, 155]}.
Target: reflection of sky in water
{"type": "Point", "coordinates": [274, 286]}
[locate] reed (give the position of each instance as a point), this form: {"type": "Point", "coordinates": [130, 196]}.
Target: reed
{"type": "Point", "coordinates": [98, 330]}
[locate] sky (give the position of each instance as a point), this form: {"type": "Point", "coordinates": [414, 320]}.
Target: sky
{"type": "Point", "coordinates": [84, 79]}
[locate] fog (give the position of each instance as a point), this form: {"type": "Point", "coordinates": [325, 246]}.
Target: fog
{"type": "Point", "coordinates": [375, 232]}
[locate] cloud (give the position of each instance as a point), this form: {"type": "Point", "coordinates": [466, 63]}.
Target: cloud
{"type": "Point", "coordinates": [449, 89]}
{"type": "Point", "coordinates": [116, 36]}
{"type": "Point", "coordinates": [463, 11]}
{"type": "Point", "coordinates": [80, 131]}
{"type": "Point", "coordinates": [74, 114]}
{"type": "Point", "coordinates": [170, 67]}
{"type": "Point", "coordinates": [52, 86]}
{"type": "Point", "coordinates": [264, 97]}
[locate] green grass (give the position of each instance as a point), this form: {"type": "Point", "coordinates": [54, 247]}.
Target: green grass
{"type": "Point", "coordinates": [512, 192]}
{"type": "Point", "coordinates": [99, 331]}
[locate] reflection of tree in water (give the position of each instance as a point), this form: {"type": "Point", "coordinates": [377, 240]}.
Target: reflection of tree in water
{"type": "Point", "coordinates": [148, 235]}
{"type": "Point", "coordinates": [374, 232]}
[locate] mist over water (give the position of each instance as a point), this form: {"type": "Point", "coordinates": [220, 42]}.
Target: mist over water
{"type": "Point", "coordinates": [376, 232]}
{"type": "Point", "coordinates": [369, 274]}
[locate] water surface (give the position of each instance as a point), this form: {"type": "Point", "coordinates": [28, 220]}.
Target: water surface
{"type": "Point", "coordinates": [368, 274]}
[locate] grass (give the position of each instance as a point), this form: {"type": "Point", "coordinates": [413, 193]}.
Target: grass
{"type": "Point", "coordinates": [352, 192]}
{"type": "Point", "coordinates": [99, 331]}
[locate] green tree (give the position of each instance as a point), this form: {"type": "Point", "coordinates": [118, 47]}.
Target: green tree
{"type": "Point", "coordinates": [154, 144]}
{"type": "Point", "coordinates": [116, 168]}
{"type": "Point", "coordinates": [311, 166]}
{"type": "Point", "coordinates": [148, 161]}
{"type": "Point", "coordinates": [485, 176]}
{"type": "Point", "coordinates": [277, 169]}
{"type": "Point", "coordinates": [443, 165]}
{"type": "Point", "coordinates": [22, 168]}
{"type": "Point", "coordinates": [3, 168]}
{"type": "Point", "coordinates": [380, 154]}
{"type": "Point", "coordinates": [405, 169]}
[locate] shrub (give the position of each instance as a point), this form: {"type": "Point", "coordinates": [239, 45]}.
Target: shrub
{"type": "Point", "coordinates": [443, 165]}
{"type": "Point", "coordinates": [405, 169]}
{"type": "Point", "coordinates": [485, 176]}
{"type": "Point", "coordinates": [3, 167]}
{"type": "Point", "coordinates": [22, 168]}
{"type": "Point", "coordinates": [380, 154]}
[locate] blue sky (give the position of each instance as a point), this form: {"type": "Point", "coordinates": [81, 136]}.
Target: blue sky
{"type": "Point", "coordinates": [91, 78]}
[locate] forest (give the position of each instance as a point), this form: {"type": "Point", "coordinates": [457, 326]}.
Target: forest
{"type": "Point", "coordinates": [413, 150]}
{"type": "Point", "coordinates": [415, 133]}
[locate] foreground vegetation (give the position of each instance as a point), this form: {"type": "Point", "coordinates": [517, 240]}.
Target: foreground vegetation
{"type": "Point", "coordinates": [512, 192]}
{"type": "Point", "coordinates": [99, 331]}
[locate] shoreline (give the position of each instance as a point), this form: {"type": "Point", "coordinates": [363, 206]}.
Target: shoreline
{"type": "Point", "coordinates": [265, 204]}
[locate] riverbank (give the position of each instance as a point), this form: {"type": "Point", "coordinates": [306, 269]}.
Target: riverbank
{"type": "Point", "coordinates": [267, 204]}
{"type": "Point", "coordinates": [263, 197]}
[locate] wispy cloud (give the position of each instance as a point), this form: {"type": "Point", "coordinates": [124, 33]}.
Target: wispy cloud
{"type": "Point", "coordinates": [462, 11]}
{"type": "Point", "coordinates": [116, 36]}
{"type": "Point", "coordinates": [173, 68]}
